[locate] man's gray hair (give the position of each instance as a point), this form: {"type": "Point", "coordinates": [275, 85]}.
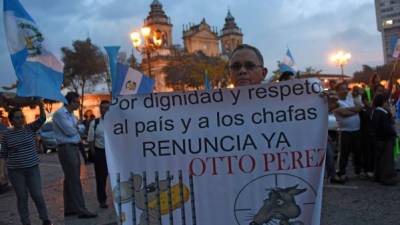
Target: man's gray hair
{"type": "Point", "coordinates": [252, 48]}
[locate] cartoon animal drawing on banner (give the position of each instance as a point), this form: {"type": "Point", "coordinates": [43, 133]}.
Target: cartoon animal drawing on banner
{"type": "Point", "coordinates": [280, 205]}
{"type": "Point", "coordinates": [151, 190]}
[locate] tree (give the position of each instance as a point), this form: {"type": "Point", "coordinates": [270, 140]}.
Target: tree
{"type": "Point", "coordinates": [384, 72]}
{"type": "Point", "coordinates": [188, 71]}
{"type": "Point", "coordinates": [312, 70]}
{"type": "Point", "coordinates": [84, 62]}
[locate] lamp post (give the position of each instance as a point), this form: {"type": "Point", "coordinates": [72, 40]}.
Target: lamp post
{"type": "Point", "coordinates": [341, 58]}
{"type": "Point", "coordinates": [152, 42]}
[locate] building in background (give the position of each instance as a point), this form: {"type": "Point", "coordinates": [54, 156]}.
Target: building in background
{"type": "Point", "coordinates": [196, 37]}
{"type": "Point", "coordinates": [201, 37]}
{"type": "Point", "coordinates": [158, 21]}
{"type": "Point", "coordinates": [388, 22]}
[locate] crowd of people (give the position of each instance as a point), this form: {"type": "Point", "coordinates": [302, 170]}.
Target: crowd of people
{"type": "Point", "coordinates": [365, 129]}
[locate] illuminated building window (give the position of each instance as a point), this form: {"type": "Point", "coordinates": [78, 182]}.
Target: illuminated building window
{"type": "Point", "coordinates": [388, 22]}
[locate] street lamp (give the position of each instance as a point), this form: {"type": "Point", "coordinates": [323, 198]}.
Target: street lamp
{"type": "Point", "coordinates": [152, 41]}
{"type": "Point", "coordinates": [341, 58]}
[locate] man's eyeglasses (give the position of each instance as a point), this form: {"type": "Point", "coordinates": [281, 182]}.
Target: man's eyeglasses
{"type": "Point", "coordinates": [246, 65]}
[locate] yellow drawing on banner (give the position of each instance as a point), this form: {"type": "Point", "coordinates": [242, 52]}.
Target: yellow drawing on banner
{"type": "Point", "coordinates": [125, 192]}
{"type": "Point", "coordinates": [175, 199]}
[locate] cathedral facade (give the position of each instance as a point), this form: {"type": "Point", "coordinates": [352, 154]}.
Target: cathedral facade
{"type": "Point", "coordinates": [196, 37]}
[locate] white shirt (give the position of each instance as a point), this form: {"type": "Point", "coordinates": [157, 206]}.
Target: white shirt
{"type": "Point", "coordinates": [349, 123]}
{"type": "Point", "coordinates": [99, 134]}
{"type": "Point", "coordinates": [65, 127]}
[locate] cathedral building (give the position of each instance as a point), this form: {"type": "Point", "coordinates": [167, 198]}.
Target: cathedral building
{"type": "Point", "coordinates": [200, 37]}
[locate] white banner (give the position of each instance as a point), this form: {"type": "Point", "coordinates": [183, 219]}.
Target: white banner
{"type": "Point", "coordinates": [256, 154]}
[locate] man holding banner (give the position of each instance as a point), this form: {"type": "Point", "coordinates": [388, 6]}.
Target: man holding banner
{"type": "Point", "coordinates": [227, 156]}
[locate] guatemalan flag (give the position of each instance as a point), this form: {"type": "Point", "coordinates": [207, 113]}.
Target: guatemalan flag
{"type": "Point", "coordinates": [129, 81]}
{"type": "Point", "coordinates": [288, 63]}
{"type": "Point", "coordinates": [38, 71]}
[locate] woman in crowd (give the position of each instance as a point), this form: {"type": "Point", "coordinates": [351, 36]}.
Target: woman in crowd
{"type": "Point", "coordinates": [19, 148]}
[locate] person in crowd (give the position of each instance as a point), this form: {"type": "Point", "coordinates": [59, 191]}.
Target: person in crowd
{"type": "Point", "coordinates": [396, 93]}
{"type": "Point", "coordinates": [330, 148]}
{"type": "Point", "coordinates": [356, 95]}
{"type": "Point", "coordinates": [332, 85]}
{"type": "Point", "coordinates": [88, 117]}
{"type": "Point", "coordinates": [96, 144]}
{"type": "Point", "coordinates": [378, 89]}
{"type": "Point", "coordinates": [287, 75]}
{"type": "Point", "coordinates": [347, 116]}
{"type": "Point", "coordinates": [374, 80]}
{"type": "Point", "coordinates": [385, 134]}
{"type": "Point", "coordinates": [86, 121]}
{"type": "Point", "coordinates": [3, 174]}
{"type": "Point", "coordinates": [367, 143]}
{"type": "Point", "coordinates": [4, 120]}
{"type": "Point", "coordinates": [18, 146]}
{"type": "Point", "coordinates": [68, 138]}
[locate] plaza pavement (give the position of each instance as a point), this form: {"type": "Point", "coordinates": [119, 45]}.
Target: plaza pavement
{"type": "Point", "coordinates": [52, 179]}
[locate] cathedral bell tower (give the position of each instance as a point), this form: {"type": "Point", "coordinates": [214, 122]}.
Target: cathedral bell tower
{"type": "Point", "coordinates": [231, 35]}
{"type": "Point", "coordinates": [158, 22]}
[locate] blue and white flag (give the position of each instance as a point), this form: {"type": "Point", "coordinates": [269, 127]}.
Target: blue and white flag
{"type": "Point", "coordinates": [112, 52]}
{"type": "Point", "coordinates": [129, 81]}
{"type": "Point", "coordinates": [288, 63]}
{"type": "Point", "coordinates": [38, 71]}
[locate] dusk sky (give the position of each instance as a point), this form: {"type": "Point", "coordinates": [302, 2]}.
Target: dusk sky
{"type": "Point", "coordinates": [312, 29]}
